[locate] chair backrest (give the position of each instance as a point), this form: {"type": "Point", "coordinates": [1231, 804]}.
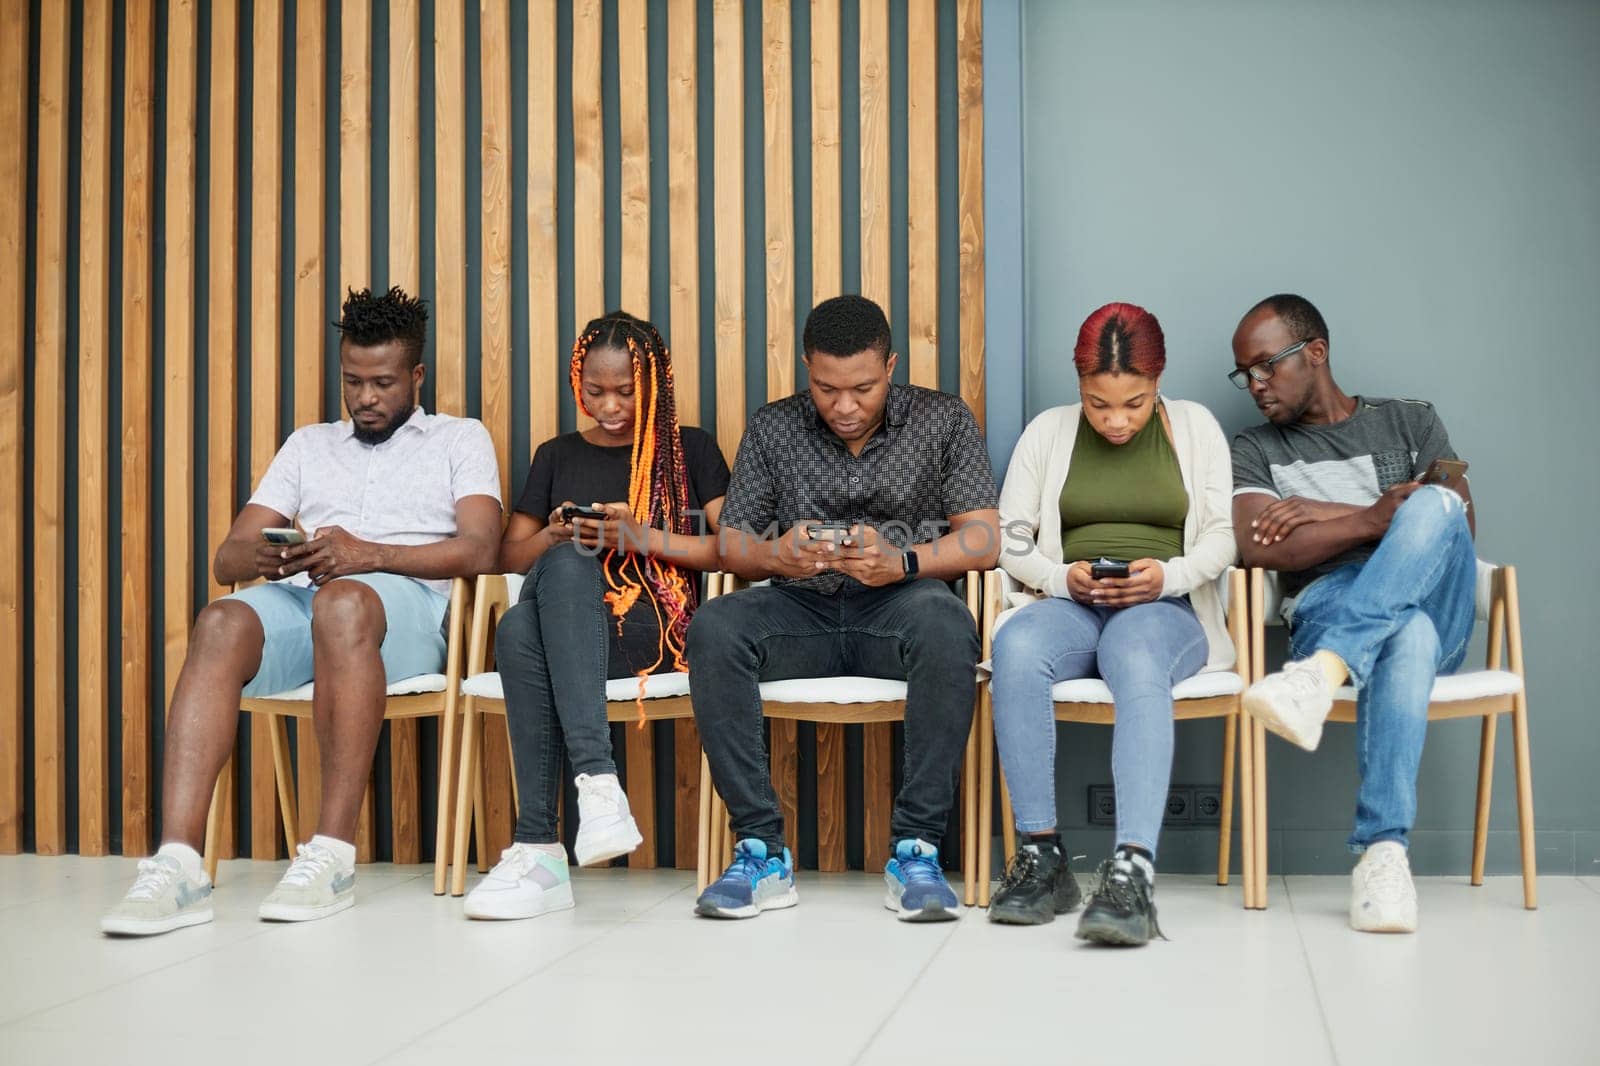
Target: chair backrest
{"type": "Point", "coordinates": [1483, 594]}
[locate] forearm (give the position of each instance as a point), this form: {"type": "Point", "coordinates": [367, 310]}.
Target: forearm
{"type": "Point", "coordinates": [745, 556]}
{"type": "Point", "coordinates": [695, 551]}
{"type": "Point", "coordinates": [973, 546]}
{"type": "Point", "coordinates": [1312, 543]}
{"type": "Point", "coordinates": [235, 562]}
{"type": "Point", "coordinates": [518, 556]}
{"type": "Point", "coordinates": [455, 557]}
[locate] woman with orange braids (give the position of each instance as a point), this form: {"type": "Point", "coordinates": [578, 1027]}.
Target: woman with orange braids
{"type": "Point", "coordinates": [604, 598]}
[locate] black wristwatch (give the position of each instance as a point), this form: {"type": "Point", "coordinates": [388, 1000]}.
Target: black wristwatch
{"type": "Point", "coordinates": [908, 560]}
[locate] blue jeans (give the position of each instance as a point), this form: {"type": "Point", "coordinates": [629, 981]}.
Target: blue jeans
{"type": "Point", "coordinates": [1398, 620]}
{"type": "Point", "coordinates": [1140, 652]}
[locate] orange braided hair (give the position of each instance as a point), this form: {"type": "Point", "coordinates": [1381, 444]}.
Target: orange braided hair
{"type": "Point", "coordinates": [658, 489]}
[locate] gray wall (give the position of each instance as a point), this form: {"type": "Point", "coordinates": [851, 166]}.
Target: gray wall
{"type": "Point", "coordinates": [1426, 173]}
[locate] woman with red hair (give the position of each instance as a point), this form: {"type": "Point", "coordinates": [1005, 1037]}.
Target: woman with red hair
{"type": "Point", "coordinates": [1116, 517]}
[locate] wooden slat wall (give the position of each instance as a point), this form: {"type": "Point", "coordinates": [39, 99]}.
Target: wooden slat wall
{"type": "Point", "coordinates": [474, 170]}
{"type": "Point", "coordinates": [138, 531]}
{"type": "Point", "coordinates": [13, 323]}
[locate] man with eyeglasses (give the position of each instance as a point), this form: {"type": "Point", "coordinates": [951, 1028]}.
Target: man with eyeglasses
{"type": "Point", "coordinates": [1378, 573]}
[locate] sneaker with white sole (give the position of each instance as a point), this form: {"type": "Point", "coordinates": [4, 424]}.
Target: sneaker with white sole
{"type": "Point", "coordinates": [915, 887]}
{"type": "Point", "coordinates": [525, 883]}
{"type": "Point", "coordinates": [606, 828]}
{"type": "Point", "coordinates": [163, 898]}
{"type": "Point", "coordinates": [1293, 703]}
{"type": "Point", "coordinates": [316, 885]}
{"type": "Point", "coordinates": [754, 882]}
{"type": "Point", "coordinates": [1382, 896]}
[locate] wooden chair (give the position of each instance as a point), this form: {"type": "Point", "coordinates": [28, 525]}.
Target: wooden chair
{"type": "Point", "coordinates": [1486, 694]}
{"type": "Point", "coordinates": [424, 696]}
{"type": "Point", "coordinates": [1213, 694]}
{"type": "Point", "coordinates": [666, 697]}
{"type": "Point", "coordinates": [840, 701]}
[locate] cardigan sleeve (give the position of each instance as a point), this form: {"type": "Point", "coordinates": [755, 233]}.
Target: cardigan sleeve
{"type": "Point", "coordinates": [1213, 550]}
{"type": "Point", "coordinates": [1019, 511]}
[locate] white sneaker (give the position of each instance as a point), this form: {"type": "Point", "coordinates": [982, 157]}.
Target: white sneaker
{"type": "Point", "coordinates": [1293, 703]}
{"type": "Point", "coordinates": [1382, 897]}
{"type": "Point", "coordinates": [525, 883]}
{"type": "Point", "coordinates": [315, 886]}
{"type": "Point", "coordinates": [606, 829]}
{"type": "Point", "coordinates": [163, 898]}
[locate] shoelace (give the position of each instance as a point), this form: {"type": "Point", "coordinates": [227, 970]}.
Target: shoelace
{"type": "Point", "coordinates": [1125, 892]}
{"type": "Point", "coordinates": [1023, 864]}
{"type": "Point", "coordinates": [1386, 877]}
{"type": "Point", "coordinates": [519, 858]}
{"type": "Point", "coordinates": [746, 866]}
{"type": "Point", "coordinates": [154, 878]}
{"type": "Point", "coordinates": [308, 864]}
{"type": "Point", "coordinates": [590, 790]}
{"type": "Point", "coordinates": [1306, 678]}
{"type": "Point", "coordinates": [921, 870]}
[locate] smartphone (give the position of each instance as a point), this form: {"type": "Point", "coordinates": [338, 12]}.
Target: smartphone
{"type": "Point", "coordinates": [1100, 569]}
{"type": "Point", "coordinates": [572, 511]}
{"type": "Point", "coordinates": [283, 536]}
{"type": "Point", "coordinates": [1446, 472]}
{"type": "Point", "coordinates": [834, 530]}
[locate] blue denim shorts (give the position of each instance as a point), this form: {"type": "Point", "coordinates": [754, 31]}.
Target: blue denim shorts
{"type": "Point", "coordinates": [414, 643]}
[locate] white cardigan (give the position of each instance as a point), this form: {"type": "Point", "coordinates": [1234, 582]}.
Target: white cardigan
{"type": "Point", "coordinates": [1031, 500]}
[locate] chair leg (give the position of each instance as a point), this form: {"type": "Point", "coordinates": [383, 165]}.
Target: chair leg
{"type": "Point", "coordinates": [985, 833]}
{"type": "Point", "coordinates": [283, 772]}
{"type": "Point", "coordinates": [969, 814]}
{"type": "Point", "coordinates": [702, 849]}
{"type": "Point", "coordinates": [1230, 743]}
{"type": "Point", "coordinates": [1519, 743]}
{"type": "Point", "coordinates": [1480, 821]}
{"type": "Point", "coordinates": [1008, 825]}
{"type": "Point", "coordinates": [480, 806]}
{"type": "Point", "coordinates": [464, 796]}
{"type": "Point", "coordinates": [214, 828]}
{"type": "Point", "coordinates": [1261, 815]}
{"type": "Point", "coordinates": [444, 835]}
{"type": "Point", "coordinates": [1247, 811]}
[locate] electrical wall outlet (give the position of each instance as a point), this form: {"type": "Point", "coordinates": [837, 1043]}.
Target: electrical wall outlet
{"type": "Point", "coordinates": [1180, 806]}
{"type": "Point", "coordinates": [1186, 805]}
{"type": "Point", "coordinates": [1102, 805]}
{"type": "Point", "coordinates": [1207, 805]}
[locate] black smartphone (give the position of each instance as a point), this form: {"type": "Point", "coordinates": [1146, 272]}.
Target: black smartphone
{"type": "Point", "coordinates": [283, 536]}
{"type": "Point", "coordinates": [1446, 472]}
{"type": "Point", "coordinates": [1101, 569]}
{"type": "Point", "coordinates": [833, 529]}
{"type": "Point", "coordinates": [572, 511]}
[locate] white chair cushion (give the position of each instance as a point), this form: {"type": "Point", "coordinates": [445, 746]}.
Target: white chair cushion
{"type": "Point", "coordinates": [656, 687]}
{"type": "Point", "coordinates": [1200, 687]}
{"type": "Point", "coordinates": [409, 686]}
{"type": "Point", "coordinates": [833, 690]}
{"type": "Point", "coordinates": [1455, 688]}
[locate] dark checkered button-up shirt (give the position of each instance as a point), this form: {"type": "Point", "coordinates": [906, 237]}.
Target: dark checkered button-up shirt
{"type": "Point", "coordinates": [926, 463]}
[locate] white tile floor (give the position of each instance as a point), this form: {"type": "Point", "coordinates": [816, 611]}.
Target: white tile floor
{"type": "Point", "coordinates": [630, 976]}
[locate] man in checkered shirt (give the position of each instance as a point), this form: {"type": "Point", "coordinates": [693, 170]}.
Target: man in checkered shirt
{"type": "Point", "coordinates": [859, 500]}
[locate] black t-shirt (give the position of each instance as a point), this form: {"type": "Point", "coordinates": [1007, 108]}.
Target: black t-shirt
{"type": "Point", "coordinates": [570, 468]}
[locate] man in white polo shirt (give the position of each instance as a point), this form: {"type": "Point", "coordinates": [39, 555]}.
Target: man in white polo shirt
{"type": "Point", "coordinates": [393, 504]}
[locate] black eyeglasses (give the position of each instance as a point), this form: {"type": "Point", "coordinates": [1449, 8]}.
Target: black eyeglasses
{"type": "Point", "coordinates": [1262, 371]}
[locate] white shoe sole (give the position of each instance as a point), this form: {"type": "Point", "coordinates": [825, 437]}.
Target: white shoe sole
{"type": "Point", "coordinates": [154, 926]}
{"type": "Point", "coordinates": [603, 845]}
{"type": "Point", "coordinates": [1391, 924]}
{"type": "Point", "coordinates": [284, 912]}
{"type": "Point", "coordinates": [490, 908]}
{"type": "Point", "coordinates": [932, 911]}
{"type": "Point", "coordinates": [1262, 710]}
{"type": "Point", "coordinates": [771, 903]}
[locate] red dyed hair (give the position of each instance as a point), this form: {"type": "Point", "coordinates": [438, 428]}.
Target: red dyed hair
{"type": "Point", "coordinates": [1121, 339]}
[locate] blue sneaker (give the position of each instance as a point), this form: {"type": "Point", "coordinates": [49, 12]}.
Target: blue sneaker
{"type": "Point", "coordinates": [917, 890]}
{"type": "Point", "coordinates": [754, 882]}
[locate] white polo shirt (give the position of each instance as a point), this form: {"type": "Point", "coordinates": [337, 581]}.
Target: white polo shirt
{"type": "Point", "coordinates": [403, 491]}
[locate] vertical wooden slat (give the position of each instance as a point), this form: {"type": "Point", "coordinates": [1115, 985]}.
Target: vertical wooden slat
{"type": "Point", "coordinates": [310, 316]}
{"type": "Point", "coordinates": [94, 365]}
{"type": "Point", "coordinates": [405, 270]}
{"type": "Point", "coordinates": [777, 82]}
{"type": "Point", "coordinates": [545, 382]}
{"type": "Point", "coordinates": [222, 318]}
{"type": "Point", "coordinates": [877, 781]}
{"type": "Point", "coordinates": [137, 340]}
{"type": "Point", "coordinates": [641, 768]}
{"type": "Point", "coordinates": [831, 815]}
{"type": "Point", "coordinates": [496, 73]}
{"type": "Point", "coordinates": [450, 207]}
{"type": "Point", "coordinates": [266, 290]}
{"type": "Point", "coordinates": [355, 226]}
{"type": "Point", "coordinates": [727, 47]}
{"type": "Point", "coordinates": [785, 757]}
{"type": "Point", "coordinates": [969, 195]}
{"type": "Point", "coordinates": [13, 335]}
{"type": "Point", "coordinates": [588, 165]}
{"type": "Point", "coordinates": [827, 269]}
{"type": "Point", "coordinates": [683, 206]}
{"type": "Point", "coordinates": [686, 787]}
{"type": "Point", "coordinates": [633, 78]}
{"type": "Point", "coordinates": [922, 191]}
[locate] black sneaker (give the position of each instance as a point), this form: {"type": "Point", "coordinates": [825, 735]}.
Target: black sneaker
{"type": "Point", "coordinates": [1121, 908]}
{"type": "Point", "coordinates": [1037, 887]}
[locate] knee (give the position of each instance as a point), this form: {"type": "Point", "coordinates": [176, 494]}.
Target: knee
{"type": "Point", "coordinates": [1428, 513]}
{"type": "Point", "coordinates": [559, 568]}
{"type": "Point", "coordinates": [226, 623]}
{"type": "Point", "coordinates": [516, 625]}
{"type": "Point", "coordinates": [345, 613]}
{"type": "Point", "coordinates": [1415, 641]}
{"type": "Point", "coordinates": [943, 626]}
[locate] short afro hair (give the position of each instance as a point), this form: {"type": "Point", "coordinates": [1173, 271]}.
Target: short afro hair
{"type": "Point", "coordinates": [1298, 314]}
{"type": "Point", "coordinates": [367, 320]}
{"type": "Point", "coordinates": [846, 325]}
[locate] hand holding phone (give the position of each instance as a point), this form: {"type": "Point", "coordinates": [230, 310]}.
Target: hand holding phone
{"type": "Point", "coordinates": [834, 530]}
{"type": "Point", "coordinates": [283, 536]}
{"type": "Point", "coordinates": [572, 510]}
{"type": "Point", "coordinates": [1103, 568]}
{"type": "Point", "coordinates": [1447, 473]}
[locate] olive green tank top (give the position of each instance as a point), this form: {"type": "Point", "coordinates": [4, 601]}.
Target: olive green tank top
{"type": "Point", "coordinates": [1123, 501]}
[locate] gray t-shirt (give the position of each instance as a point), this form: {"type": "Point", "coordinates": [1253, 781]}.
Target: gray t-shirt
{"type": "Point", "coordinates": [1385, 443]}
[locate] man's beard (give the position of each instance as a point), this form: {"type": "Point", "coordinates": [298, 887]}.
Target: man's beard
{"type": "Point", "coordinates": [383, 432]}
